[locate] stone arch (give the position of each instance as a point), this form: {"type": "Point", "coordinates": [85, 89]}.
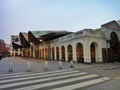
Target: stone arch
{"type": "Point", "coordinates": [79, 52]}
{"type": "Point", "coordinates": [114, 47]}
{"type": "Point", "coordinates": [53, 53]}
{"type": "Point", "coordinates": [94, 52]}
{"type": "Point", "coordinates": [63, 53]}
{"type": "Point", "coordinates": [57, 53]}
{"type": "Point", "coordinates": [70, 53]}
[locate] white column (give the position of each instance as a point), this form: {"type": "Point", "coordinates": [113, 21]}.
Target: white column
{"type": "Point", "coordinates": [33, 51]}
{"type": "Point", "coordinates": [43, 53]}
{"type": "Point", "coordinates": [55, 52]}
{"type": "Point", "coordinates": [60, 55]}
{"type": "Point", "coordinates": [30, 51]}
{"type": "Point", "coordinates": [39, 51]}
{"type": "Point", "coordinates": [99, 54]}
{"type": "Point", "coordinates": [14, 52]}
{"type": "Point", "coordinates": [66, 53]}
{"type": "Point", "coordinates": [19, 51]}
{"type": "Point", "coordinates": [86, 49]}
{"type": "Point", "coordinates": [74, 52]}
{"type": "Point", "coordinates": [11, 50]}
{"type": "Point", "coordinates": [22, 52]}
{"type": "Point", "coordinates": [50, 53]}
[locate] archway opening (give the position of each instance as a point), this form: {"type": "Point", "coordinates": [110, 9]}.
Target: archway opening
{"type": "Point", "coordinates": [79, 52]}
{"type": "Point", "coordinates": [43, 53]}
{"type": "Point", "coordinates": [63, 53]}
{"type": "Point", "coordinates": [93, 52]}
{"type": "Point", "coordinates": [40, 53]}
{"type": "Point", "coordinates": [53, 53]}
{"type": "Point", "coordinates": [70, 53]}
{"type": "Point", "coordinates": [114, 47]}
{"type": "Point", "coordinates": [57, 53]}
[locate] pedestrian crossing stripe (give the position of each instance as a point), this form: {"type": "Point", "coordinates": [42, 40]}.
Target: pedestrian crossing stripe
{"type": "Point", "coordinates": [51, 79]}
{"type": "Point", "coordinates": [8, 74]}
{"type": "Point", "coordinates": [83, 84]}
{"type": "Point", "coordinates": [39, 80]}
{"type": "Point", "coordinates": [56, 83]}
{"type": "Point", "coordinates": [15, 75]}
{"type": "Point", "coordinates": [34, 77]}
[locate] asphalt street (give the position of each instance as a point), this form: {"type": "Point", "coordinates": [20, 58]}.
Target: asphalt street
{"type": "Point", "coordinates": [20, 66]}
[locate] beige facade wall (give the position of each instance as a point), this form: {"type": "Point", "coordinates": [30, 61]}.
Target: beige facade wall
{"type": "Point", "coordinates": [93, 42]}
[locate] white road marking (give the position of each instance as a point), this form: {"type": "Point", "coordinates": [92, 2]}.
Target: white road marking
{"type": "Point", "coordinates": [40, 80]}
{"type": "Point", "coordinates": [6, 76]}
{"type": "Point", "coordinates": [41, 76]}
{"type": "Point", "coordinates": [83, 84]}
{"type": "Point", "coordinates": [55, 82]}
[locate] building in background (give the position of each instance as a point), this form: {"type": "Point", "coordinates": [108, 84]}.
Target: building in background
{"type": "Point", "coordinates": [15, 49]}
{"type": "Point", "coordinates": [4, 48]}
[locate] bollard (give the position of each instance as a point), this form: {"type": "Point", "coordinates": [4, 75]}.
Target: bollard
{"type": "Point", "coordinates": [46, 65]}
{"type": "Point", "coordinates": [71, 64]}
{"type": "Point", "coordinates": [28, 67]}
{"type": "Point", "coordinates": [11, 67]}
{"type": "Point", "coordinates": [60, 65]}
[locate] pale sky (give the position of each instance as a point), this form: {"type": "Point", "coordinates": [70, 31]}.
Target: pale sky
{"type": "Point", "coordinates": [71, 15]}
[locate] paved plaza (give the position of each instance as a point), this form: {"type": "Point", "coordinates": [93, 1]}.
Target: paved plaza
{"type": "Point", "coordinates": [96, 76]}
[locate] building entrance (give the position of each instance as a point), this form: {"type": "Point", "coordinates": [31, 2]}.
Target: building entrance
{"type": "Point", "coordinates": [113, 51]}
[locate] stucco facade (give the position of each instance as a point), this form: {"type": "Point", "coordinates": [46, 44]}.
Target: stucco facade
{"type": "Point", "coordinates": [94, 45]}
{"type": "Point", "coordinates": [85, 46]}
{"type": "Point", "coordinates": [84, 38]}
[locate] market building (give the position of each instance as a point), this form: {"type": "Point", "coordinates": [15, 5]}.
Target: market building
{"type": "Point", "coordinates": [85, 46]}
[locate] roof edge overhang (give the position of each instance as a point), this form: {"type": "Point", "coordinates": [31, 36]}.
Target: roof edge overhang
{"type": "Point", "coordinates": [46, 37]}
{"type": "Point", "coordinates": [23, 40]}
{"type": "Point", "coordinates": [16, 46]}
{"type": "Point", "coordinates": [109, 23]}
{"type": "Point", "coordinates": [54, 35]}
{"type": "Point", "coordinates": [31, 38]}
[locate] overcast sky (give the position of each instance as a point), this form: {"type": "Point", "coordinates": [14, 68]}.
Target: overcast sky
{"type": "Point", "coordinates": [71, 15]}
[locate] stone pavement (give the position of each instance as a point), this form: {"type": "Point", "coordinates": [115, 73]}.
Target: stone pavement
{"type": "Point", "coordinates": [37, 65]}
{"type": "Point", "coordinates": [111, 70]}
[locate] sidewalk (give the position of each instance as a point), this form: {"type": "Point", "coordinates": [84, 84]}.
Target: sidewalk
{"type": "Point", "coordinates": [20, 65]}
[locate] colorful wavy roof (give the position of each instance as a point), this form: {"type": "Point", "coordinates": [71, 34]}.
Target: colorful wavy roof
{"type": "Point", "coordinates": [38, 34]}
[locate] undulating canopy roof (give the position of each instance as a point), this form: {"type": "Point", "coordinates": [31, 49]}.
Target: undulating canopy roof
{"type": "Point", "coordinates": [24, 39]}
{"type": "Point", "coordinates": [35, 36]}
{"type": "Point", "coordinates": [16, 45]}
